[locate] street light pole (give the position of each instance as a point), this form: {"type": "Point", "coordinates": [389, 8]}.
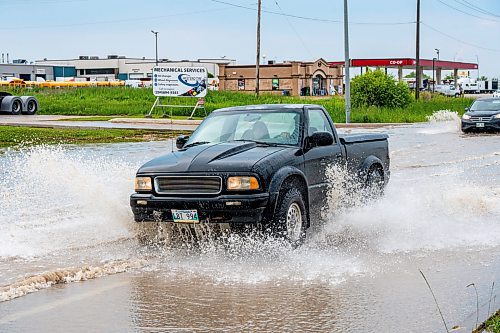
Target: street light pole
{"type": "Point", "coordinates": [417, 55]}
{"type": "Point", "coordinates": [433, 71]}
{"type": "Point", "coordinates": [346, 66]}
{"type": "Point", "coordinates": [437, 51]}
{"type": "Point", "coordinates": [156, 44]}
{"type": "Point", "coordinates": [257, 62]}
{"type": "Point", "coordinates": [477, 60]}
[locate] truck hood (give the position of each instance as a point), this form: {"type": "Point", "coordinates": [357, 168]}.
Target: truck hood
{"type": "Point", "coordinates": [219, 157]}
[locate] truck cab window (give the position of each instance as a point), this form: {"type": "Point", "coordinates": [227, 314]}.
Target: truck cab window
{"type": "Point", "coordinates": [318, 122]}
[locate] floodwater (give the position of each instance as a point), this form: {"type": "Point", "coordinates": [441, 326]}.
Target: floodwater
{"type": "Point", "coordinates": [64, 217]}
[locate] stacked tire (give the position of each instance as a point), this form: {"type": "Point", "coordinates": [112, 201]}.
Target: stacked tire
{"type": "Point", "coordinates": [15, 105]}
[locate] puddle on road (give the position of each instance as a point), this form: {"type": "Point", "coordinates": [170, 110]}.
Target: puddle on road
{"type": "Point", "coordinates": [66, 206]}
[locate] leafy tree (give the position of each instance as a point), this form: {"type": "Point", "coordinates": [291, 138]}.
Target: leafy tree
{"type": "Point", "coordinates": [413, 75]}
{"type": "Point", "coordinates": [483, 78]}
{"type": "Point", "coordinates": [378, 89]}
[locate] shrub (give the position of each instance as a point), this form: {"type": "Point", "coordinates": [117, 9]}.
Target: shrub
{"type": "Point", "coordinates": [375, 88]}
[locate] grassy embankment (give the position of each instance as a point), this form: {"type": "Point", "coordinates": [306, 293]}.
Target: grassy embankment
{"type": "Point", "coordinates": [11, 136]}
{"type": "Point", "coordinates": [492, 324]}
{"type": "Point", "coordinates": [123, 101]}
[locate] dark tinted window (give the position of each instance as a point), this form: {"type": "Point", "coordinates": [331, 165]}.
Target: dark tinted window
{"type": "Point", "coordinates": [488, 105]}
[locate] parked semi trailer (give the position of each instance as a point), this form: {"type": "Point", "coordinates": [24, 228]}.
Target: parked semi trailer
{"type": "Point", "coordinates": [18, 104]}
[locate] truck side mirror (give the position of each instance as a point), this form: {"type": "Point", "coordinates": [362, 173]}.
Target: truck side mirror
{"type": "Point", "coordinates": [181, 141]}
{"type": "Point", "coordinates": [467, 109]}
{"type": "Point", "coordinates": [319, 139]}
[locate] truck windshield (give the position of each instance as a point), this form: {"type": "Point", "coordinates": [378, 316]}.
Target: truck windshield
{"type": "Point", "coordinates": [269, 127]}
{"type": "Point", "coordinates": [491, 105]}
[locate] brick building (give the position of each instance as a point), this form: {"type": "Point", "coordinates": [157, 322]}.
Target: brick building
{"type": "Point", "coordinates": [297, 78]}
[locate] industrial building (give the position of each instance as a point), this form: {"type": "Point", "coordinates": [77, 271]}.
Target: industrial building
{"type": "Point", "coordinates": [94, 68]}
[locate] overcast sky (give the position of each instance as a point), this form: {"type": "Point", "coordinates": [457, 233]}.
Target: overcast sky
{"type": "Point", "coordinates": [57, 29]}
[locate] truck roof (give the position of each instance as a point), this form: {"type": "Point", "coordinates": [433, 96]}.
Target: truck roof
{"type": "Point", "coordinates": [265, 107]}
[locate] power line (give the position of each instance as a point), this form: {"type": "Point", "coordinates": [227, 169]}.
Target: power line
{"type": "Point", "coordinates": [459, 40]}
{"type": "Point", "coordinates": [295, 30]}
{"type": "Point", "coordinates": [310, 18]}
{"type": "Point", "coordinates": [108, 22]}
{"type": "Point", "coordinates": [476, 8]}
{"type": "Point", "coordinates": [467, 13]}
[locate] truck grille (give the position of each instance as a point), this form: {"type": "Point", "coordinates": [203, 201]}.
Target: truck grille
{"type": "Point", "coordinates": [480, 119]}
{"type": "Point", "coordinates": [188, 185]}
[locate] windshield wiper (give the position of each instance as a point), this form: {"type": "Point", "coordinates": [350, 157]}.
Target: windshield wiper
{"type": "Point", "coordinates": [195, 144]}
{"type": "Point", "coordinates": [258, 142]}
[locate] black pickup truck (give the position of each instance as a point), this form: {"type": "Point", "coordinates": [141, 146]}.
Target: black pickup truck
{"type": "Point", "coordinates": [262, 165]}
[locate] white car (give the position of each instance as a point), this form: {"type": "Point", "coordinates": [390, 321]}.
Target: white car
{"type": "Point", "coordinates": [447, 90]}
{"type": "Point", "coordinates": [496, 93]}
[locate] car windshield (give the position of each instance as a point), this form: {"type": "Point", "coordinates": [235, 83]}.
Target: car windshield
{"type": "Point", "coordinates": [263, 126]}
{"type": "Point", "coordinates": [490, 105]}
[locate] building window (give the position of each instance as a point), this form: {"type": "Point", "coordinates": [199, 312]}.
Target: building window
{"type": "Point", "coordinates": [100, 71]}
{"type": "Point", "coordinates": [82, 71]}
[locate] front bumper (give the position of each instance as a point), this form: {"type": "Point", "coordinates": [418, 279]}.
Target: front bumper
{"type": "Point", "coordinates": [493, 124]}
{"type": "Point", "coordinates": [251, 208]}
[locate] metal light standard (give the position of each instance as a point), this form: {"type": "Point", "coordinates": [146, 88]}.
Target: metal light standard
{"type": "Point", "coordinates": [437, 51]}
{"type": "Point", "coordinates": [347, 63]}
{"type": "Point", "coordinates": [477, 60]}
{"type": "Point", "coordinates": [156, 44]}
{"type": "Point", "coordinates": [433, 71]}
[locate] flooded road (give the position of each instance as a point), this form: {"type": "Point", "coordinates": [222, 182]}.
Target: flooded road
{"type": "Point", "coordinates": [64, 217]}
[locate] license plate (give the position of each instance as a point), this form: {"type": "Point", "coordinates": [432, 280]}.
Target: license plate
{"type": "Point", "coordinates": [185, 216]}
{"type": "Point", "coordinates": [479, 124]}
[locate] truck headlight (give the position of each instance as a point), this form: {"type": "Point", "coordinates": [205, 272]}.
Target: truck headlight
{"type": "Point", "coordinates": [242, 183]}
{"type": "Point", "coordinates": [497, 116]}
{"type": "Point", "coordinates": [143, 184]}
{"type": "Point", "coordinates": [465, 116]}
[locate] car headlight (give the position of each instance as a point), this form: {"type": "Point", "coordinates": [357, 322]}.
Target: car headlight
{"type": "Point", "coordinates": [465, 116]}
{"type": "Point", "coordinates": [143, 184]}
{"type": "Point", "coordinates": [497, 116]}
{"type": "Point", "coordinates": [242, 183]}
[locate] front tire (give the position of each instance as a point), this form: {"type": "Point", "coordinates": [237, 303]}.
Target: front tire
{"type": "Point", "coordinates": [291, 217]}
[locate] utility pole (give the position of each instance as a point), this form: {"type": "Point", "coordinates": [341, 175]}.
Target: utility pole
{"type": "Point", "coordinates": [257, 62]}
{"type": "Point", "coordinates": [346, 67]}
{"type": "Point", "coordinates": [477, 60]}
{"type": "Point", "coordinates": [156, 44]}
{"type": "Point", "coordinates": [417, 56]}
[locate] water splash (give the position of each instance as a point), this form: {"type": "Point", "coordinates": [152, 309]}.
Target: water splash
{"type": "Point", "coordinates": [46, 280]}
{"type": "Point", "coordinates": [54, 198]}
{"type": "Point", "coordinates": [415, 214]}
{"type": "Point", "coordinates": [442, 121]}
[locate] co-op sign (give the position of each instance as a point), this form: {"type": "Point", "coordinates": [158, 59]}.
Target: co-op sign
{"type": "Point", "coordinates": [179, 81]}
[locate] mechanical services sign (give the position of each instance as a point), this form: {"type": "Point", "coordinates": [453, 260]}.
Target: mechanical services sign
{"type": "Point", "coordinates": [180, 81]}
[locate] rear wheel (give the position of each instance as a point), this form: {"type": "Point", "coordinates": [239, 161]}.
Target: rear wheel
{"type": "Point", "coordinates": [375, 181]}
{"type": "Point", "coordinates": [291, 217]}
{"type": "Point", "coordinates": [16, 107]}
{"type": "Point", "coordinates": [31, 108]}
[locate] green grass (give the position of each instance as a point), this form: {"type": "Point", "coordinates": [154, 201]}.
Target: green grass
{"type": "Point", "coordinates": [123, 101]}
{"type": "Point", "coordinates": [493, 324]}
{"type": "Point", "coordinates": [108, 118]}
{"type": "Point", "coordinates": [11, 136]}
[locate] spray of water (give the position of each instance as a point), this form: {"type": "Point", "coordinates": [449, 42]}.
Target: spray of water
{"type": "Point", "coordinates": [414, 214]}
{"type": "Point", "coordinates": [442, 121]}
{"type": "Point", "coordinates": [54, 198]}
